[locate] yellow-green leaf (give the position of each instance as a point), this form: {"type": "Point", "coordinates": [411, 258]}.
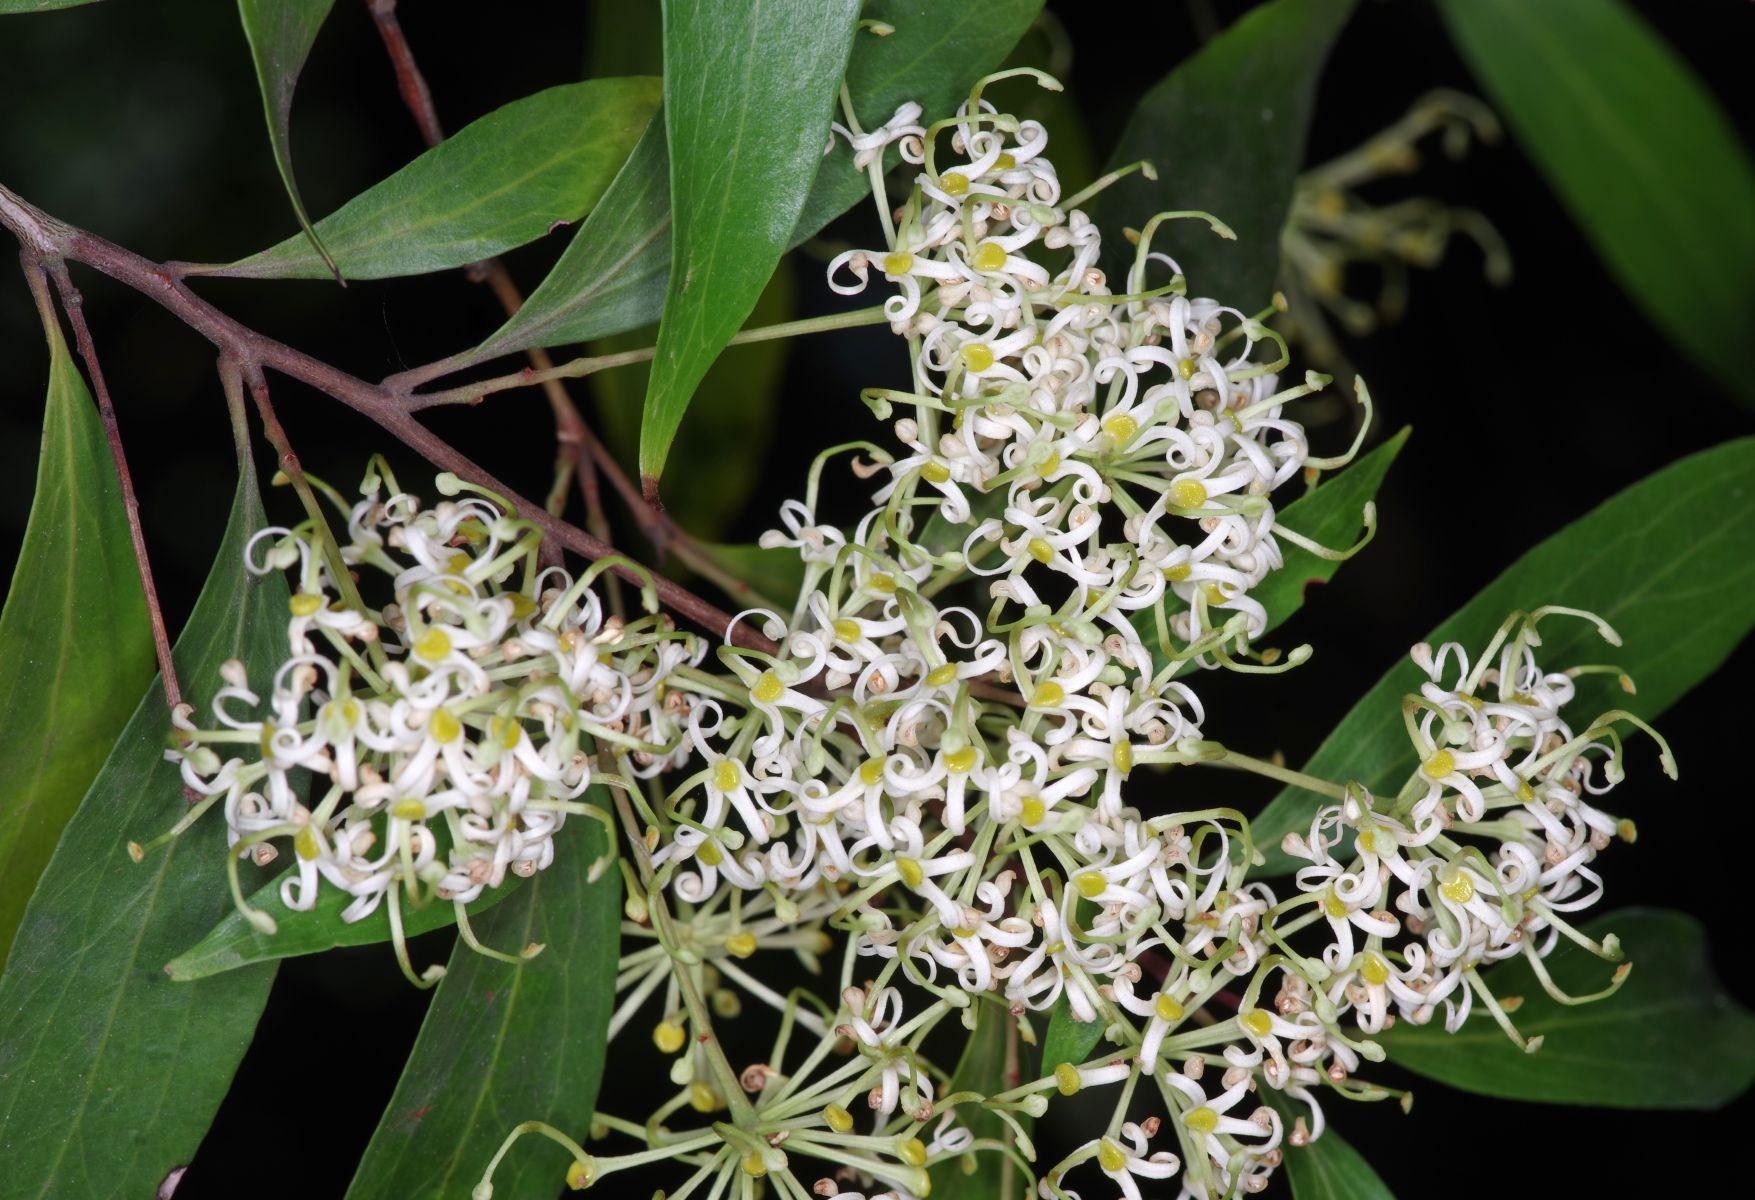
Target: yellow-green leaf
{"type": "Point", "coordinates": [75, 643]}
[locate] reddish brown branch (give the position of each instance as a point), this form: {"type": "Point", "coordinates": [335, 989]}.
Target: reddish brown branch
{"type": "Point", "coordinates": [74, 305]}
{"type": "Point", "coordinates": [409, 80]}
{"type": "Point", "coordinates": [54, 239]}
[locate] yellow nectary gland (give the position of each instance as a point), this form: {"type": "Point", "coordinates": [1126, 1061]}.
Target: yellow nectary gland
{"type": "Point", "coordinates": [581, 1175]}
{"type": "Point", "coordinates": [1121, 427]}
{"type": "Point", "coordinates": [433, 645]}
{"type": "Point", "coordinates": [1123, 755]}
{"type": "Point", "coordinates": [768, 688]}
{"type": "Point", "coordinates": [1202, 1120]}
{"type": "Point", "coordinates": [1459, 888]}
{"type": "Point", "coordinates": [847, 631]}
{"type": "Point", "coordinates": [934, 471]}
{"type": "Point", "coordinates": [727, 775]}
{"type": "Point", "coordinates": [1032, 810]}
{"type": "Point", "coordinates": [913, 1152]}
{"type": "Point", "coordinates": [1188, 493]}
{"type": "Point", "coordinates": [304, 604]}
{"type": "Point", "coordinates": [444, 727]}
{"type": "Point", "coordinates": [710, 853]}
{"type": "Point", "coordinates": [1256, 1022]}
{"type": "Point", "coordinates": [910, 871]}
{"type": "Point", "coordinates": [1004, 162]}
{"type": "Point", "coordinates": [1374, 970]}
{"type": "Point", "coordinates": [1091, 884]}
{"type": "Point", "coordinates": [1178, 572]}
{"type": "Point", "coordinates": [839, 1119]}
{"type": "Point", "coordinates": [1439, 765]}
{"type": "Point", "coordinates": [962, 760]}
{"type": "Point", "coordinates": [1111, 1157]}
{"type": "Point", "coordinates": [753, 1165]}
{"type": "Point", "coordinates": [1040, 550]}
{"type": "Point", "coordinates": [976, 356]}
{"type": "Point", "coordinates": [953, 183]}
{"type": "Point", "coordinates": [989, 257]}
{"type": "Point", "coordinates": [409, 810]}
{"type": "Point", "coordinates": [871, 772]}
{"type": "Point", "coordinates": [1166, 1007]}
{"type": "Point", "coordinates": [306, 845]}
{"type": "Point", "coordinates": [1066, 1078]}
{"type": "Point", "coordinates": [898, 263]}
{"type": "Point", "coordinates": [741, 944]}
{"type": "Point", "coordinates": [939, 676]}
{"type": "Point", "coordinates": [1048, 695]}
{"type": "Point", "coordinates": [669, 1037]}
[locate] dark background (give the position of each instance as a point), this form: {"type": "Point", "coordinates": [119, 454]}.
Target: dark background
{"type": "Point", "coordinates": [142, 122]}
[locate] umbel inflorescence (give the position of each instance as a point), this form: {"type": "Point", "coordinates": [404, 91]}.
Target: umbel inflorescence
{"type": "Point", "coordinates": [954, 801]}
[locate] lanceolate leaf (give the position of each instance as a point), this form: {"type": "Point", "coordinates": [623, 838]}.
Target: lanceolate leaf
{"type": "Point", "coordinates": [1331, 514]}
{"type": "Point", "coordinates": [1328, 1168]}
{"type": "Point", "coordinates": [776, 574]}
{"type": "Point", "coordinates": [984, 1175]}
{"type": "Point", "coordinates": [1225, 131]}
{"type": "Point", "coordinates": [233, 942]}
{"type": "Point", "coordinates": [1648, 163]}
{"type": "Point", "coordinates": [748, 91]}
{"type": "Point", "coordinates": [1670, 1038]}
{"type": "Point", "coordinates": [8, 7]}
{"type": "Point", "coordinates": [499, 182]}
{"type": "Point", "coordinates": [280, 34]}
{"type": "Point", "coordinates": [612, 276]}
{"type": "Point", "coordinates": [504, 1044]}
{"type": "Point", "coordinates": [723, 449]}
{"type": "Point", "coordinates": [109, 1071]}
{"type": "Point", "coordinates": [75, 645]}
{"type": "Point", "coordinates": [1670, 563]}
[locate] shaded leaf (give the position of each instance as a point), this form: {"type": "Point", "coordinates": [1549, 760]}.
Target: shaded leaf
{"type": "Point", "coordinates": [984, 1175]}
{"type": "Point", "coordinates": [1645, 159]}
{"type": "Point", "coordinates": [745, 125]}
{"type": "Point", "coordinates": [612, 276]}
{"type": "Point", "coordinates": [499, 182]}
{"type": "Point", "coordinates": [233, 942]}
{"type": "Point", "coordinates": [721, 452]}
{"type": "Point", "coordinates": [1670, 1038]}
{"type": "Point", "coordinates": [1225, 130]}
{"type": "Point", "coordinates": [280, 33]}
{"type": "Point", "coordinates": [503, 1044]}
{"type": "Point", "coordinates": [9, 7]}
{"type": "Point", "coordinates": [110, 1072]}
{"type": "Point", "coordinates": [75, 643]}
{"type": "Point", "coordinates": [1069, 1040]}
{"type": "Point", "coordinates": [624, 39]}
{"type": "Point", "coordinates": [1327, 1168]}
{"type": "Point", "coordinates": [1669, 562]}
{"type": "Point", "coordinates": [1330, 514]}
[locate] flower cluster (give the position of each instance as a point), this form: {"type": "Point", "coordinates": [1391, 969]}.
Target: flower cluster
{"type": "Point", "coordinates": [450, 732]}
{"type": "Point", "coordinates": [931, 770]}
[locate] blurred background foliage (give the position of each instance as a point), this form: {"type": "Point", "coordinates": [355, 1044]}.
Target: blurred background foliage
{"type": "Point", "coordinates": [1530, 404]}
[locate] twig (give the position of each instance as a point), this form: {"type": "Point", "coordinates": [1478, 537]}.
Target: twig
{"type": "Point", "coordinates": [55, 238]}
{"type": "Point", "coordinates": [74, 305]}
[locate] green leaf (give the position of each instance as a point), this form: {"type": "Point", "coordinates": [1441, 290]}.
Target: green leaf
{"type": "Point", "coordinates": [1670, 1038]}
{"type": "Point", "coordinates": [624, 39]}
{"type": "Point", "coordinates": [1225, 130]}
{"type": "Point", "coordinates": [983, 1175]}
{"type": "Point", "coordinates": [1669, 562]}
{"type": "Point", "coordinates": [612, 276]}
{"type": "Point", "coordinates": [75, 642]}
{"type": "Point", "coordinates": [722, 451]}
{"type": "Point", "coordinates": [9, 7]}
{"type": "Point", "coordinates": [280, 33]}
{"type": "Point", "coordinates": [1329, 514]}
{"type": "Point", "coordinates": [1069, 1040]}
{"type": "Point", "coordinates": [1648, 163]}
{"type": "Point", "coordinates": [503, 1044]}
{"type": "Point", "coordinates": [501, 181]}
{"type": "Point", "coordinates": [109, 1072]}
{"type": "Point", "coordinates": [933, 58]}
{"type": "Point", "coordinates": [1327, 1168]}
{"type": "Point", "coordinates": [233, 942]}
{"type": "Point", "coordinates": [748, 92]}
